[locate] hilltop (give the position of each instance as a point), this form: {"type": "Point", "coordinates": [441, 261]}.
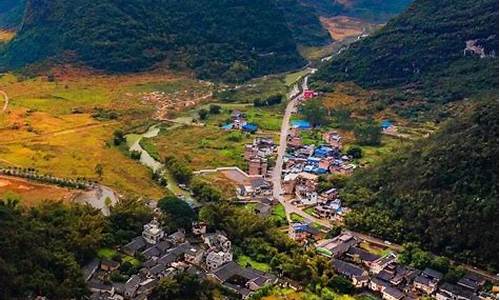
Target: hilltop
{"type": "Point", "coordinates": [229, 40]}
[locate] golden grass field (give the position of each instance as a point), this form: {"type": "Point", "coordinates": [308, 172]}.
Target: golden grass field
{"type": "Point", "coordinates": [41, 129]}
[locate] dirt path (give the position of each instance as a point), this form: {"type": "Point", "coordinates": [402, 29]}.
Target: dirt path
{"type": "Point", "coordinates": [6, 98]}
{"type": "Point", "coordinates": [60, 132]}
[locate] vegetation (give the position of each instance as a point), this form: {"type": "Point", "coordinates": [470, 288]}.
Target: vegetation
{"type": "Point", "coordinates": [368, 133]}
{"type": "Point", "coordinates": [229, 40]}
{"type": "Point", "coordinates": [185, 286]}
{"type": "Point", "coordinates": [314, 112]}
{"type": "Point", "coordinates": [370, 10]}
{"type": "Point", "coordinates": [181, 172]}
{"type": "Point", "coordinates": [205, 191]}
{"type": "Point", "coordinates": [126, 220]}
{"type": "Point", "coordinates": [37, 257]}
{"type": "Point", "coordinates": [441, 191]}
{"type": "Point", "coordinates": [400, 54]}
{"type": "Point", "coordinates": [177, 213]}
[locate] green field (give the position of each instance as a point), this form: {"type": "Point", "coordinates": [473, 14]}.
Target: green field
{"type": "Point", "coordinates": [244, 261]}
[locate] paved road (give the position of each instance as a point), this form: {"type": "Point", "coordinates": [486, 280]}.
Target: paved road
{"type": "Point", "coordinates": [276, 178]}
{"type": "Point", "coordinates": [6, 98]}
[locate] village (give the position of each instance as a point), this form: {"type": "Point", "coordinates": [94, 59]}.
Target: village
{"type": "Point", "coordinates": [208, 255]}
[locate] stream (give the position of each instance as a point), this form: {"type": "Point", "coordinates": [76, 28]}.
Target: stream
{"type": "Point", "coordinates": [156, 166]}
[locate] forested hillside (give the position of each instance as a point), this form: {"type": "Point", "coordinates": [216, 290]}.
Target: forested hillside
{"type": "Point", "coordinates": [377, 11]}
{"type": "Point", "coordinates": [425, 48]}
{"type": "Point", "coordinates": [230, 39]}
{"type": "Point", "coordinates": [11, 13]}
{"type": "Point", "coordinates": [443, 191]}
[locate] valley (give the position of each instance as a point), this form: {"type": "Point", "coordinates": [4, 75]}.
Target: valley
{"type": "Point", "coordinates": [278, 149]}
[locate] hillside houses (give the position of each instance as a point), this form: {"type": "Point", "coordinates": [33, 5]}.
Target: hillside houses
{"type": "Point", "coordinates": [384, 276]}
{"type": "Point", "coordinates": [207, 254]}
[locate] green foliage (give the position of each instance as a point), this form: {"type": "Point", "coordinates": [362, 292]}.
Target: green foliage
{"type": "Point", "coordinates": [180, 171]}
{"type": "Point", "coordinates": [228, 40]}
{"type": "Point", "coordinates": [204, 191]}
{"type": "Point", "coordinates": [424, 48]}
{"type": "Point", "coordinates": [178, 214]}
{"type": "Point", "coordinates": [215, 109]}
{"type": "Point", "coordinates": [203, 114]}
{"type": "Point", "coordinates": [118, 137]}
{"type": "Point", "coordinates": [126, 220]}
{"type": "Point", "coordinates": [341, 285]}
{"type": "Point", "coordinates": [314, 112]}
{"type": "Point", "coordinates": [269, 101]}
{"type": "Point", "coordinates": [41, 249]}
{"type": "Point", "coordinates": [183, 286]}
{"type": "Point", "coordinates": [235, 136]}
{"type": "Point", "coordinates": [441, 191]}
{"type": "Point", "coordinates": [368, 133]}
{"type": "Point", "coordinates": [355, 151]}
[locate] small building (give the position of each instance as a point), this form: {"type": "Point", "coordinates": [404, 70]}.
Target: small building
{"type": "Point", "coordinates": [194, 255]}
{"type": "Point", "coordinates": [109, 265]}
{"type": "Point", "coordinates": [337, 246]}
{"type": "Point", "coordinates": [257, 166]}
{"type": "Point", "coordinates": [250, 128]}
{"type": "Point", "coordinates": [392, 293]}
{"type": "Point", "coordinates": [381, 263]}
{"type": "Point", "coordinates": [215, 259]}
{"type": "Point", "coordinates": [448, 291]}
{"type": "Point", "coordinates": [199, 228]}
{"type": "Point", "coordinates": [302, 232]}
{"type": "Point", "coordinates": [361, 256]}
{"type": "Point", "coordinates": [357, 275]}
{"type": "Point", "coordinates": [153, 232]}
{"type": "Point", "coordinates": [136, 245]}
{"type": "Point", "coordinates": [472, 282]}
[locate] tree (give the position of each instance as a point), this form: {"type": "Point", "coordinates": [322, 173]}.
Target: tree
{"type": "Point", "coordinates": [215, 109]}
{"type": "Point", "coordinates": [204, 191]}
{"type": "Point", "coordinates": [126, 220]}
{"type": "Point", "coordinates": [178, 214]}
{"type": "Point", "coordinates": [118, 137]}
{"type": "Point", "coordinates": [314, 112]}
{"type": "Point", "coordinates": [203, 113]}
{"type": "Point", "coordinates": [99, 170]}
{"type": "Point", "coordinates": [368, 133]}
{"type": "Point", "coordinates": [341, 285]}
{"type": "Point", "coordinates": [180, 171]}
{"type": "Point", "coordinates": [355, 151]}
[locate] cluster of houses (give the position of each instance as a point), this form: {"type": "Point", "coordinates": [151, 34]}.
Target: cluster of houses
{"type": "Point", "coordinates": [257, 154]}
{"type": "Point", "coordinates": [207, 255]}
{"type": "Point", "coordinates": [239, 122]}
{"type": "Point", "coordinates": [303, 165]}
{"type": "Point", "coordinates": [385, 276]}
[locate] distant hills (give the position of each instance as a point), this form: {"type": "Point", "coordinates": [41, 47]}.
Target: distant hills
{"type": "Point", "coordinates": [376, 11]}
{"type": "Point", "coordinates": [231, 40]}
{"type": "Point", "coordinates": [426, 46]}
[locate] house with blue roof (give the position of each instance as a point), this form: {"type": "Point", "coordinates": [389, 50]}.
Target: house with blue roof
{"type": "Point", "coordinates": [249, 127]}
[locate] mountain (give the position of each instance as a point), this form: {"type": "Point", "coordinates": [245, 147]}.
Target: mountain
{"type": "Point", "coordinates": [11, 13]}
{"type": "Point", "coordinates": [445, 48]}
{"type": "Point", "coordinates": [376, 11]}
{"type": "Point", "coordinates": [441, 191]}
{"type": "Point", "coordinates": [228, 39]}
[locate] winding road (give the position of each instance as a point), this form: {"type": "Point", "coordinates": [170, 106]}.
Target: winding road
{"type": "Point", "coordinates": [6, 98]}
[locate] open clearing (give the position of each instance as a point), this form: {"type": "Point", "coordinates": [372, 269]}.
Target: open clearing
{"type": "Point", "coordinates": [342, 27]}
{"type": "Point", "coordinates": [33, 193]}
{"type": "Point", "coordinates": [63, 124]}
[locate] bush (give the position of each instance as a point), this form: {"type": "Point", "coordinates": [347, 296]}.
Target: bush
{"type": "Point", "coordinates": [215, 109]}
{"type": "Point", "coordinates": [355, 151]}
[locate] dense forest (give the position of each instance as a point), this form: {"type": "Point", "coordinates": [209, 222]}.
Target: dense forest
{"type": "Point", "coordinates": [377, 11]}
{"type": "Point", "coordinates": [11, 13]}
{"type": "Point", "coordinates": [231, 40]}
{"type": "Point", "coordinates": [424, 48]}
{"type": "Point", "coordinates": [442, 191]}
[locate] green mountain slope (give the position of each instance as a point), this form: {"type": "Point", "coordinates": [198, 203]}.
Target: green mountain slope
{"type": "Point", "coordinates": [377, 11]}
{"type": "Point", "coordinates": [442, 192]}
{"type": "Point", "coordinates": [425, 47]}
{"type": "Point", "coordinates": [11, 13]}
{"type": "Point", "coordinates": [228, 39]}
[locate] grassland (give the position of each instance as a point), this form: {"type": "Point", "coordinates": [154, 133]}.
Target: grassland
{"type": "Point", "coordinates": [245, 261]}
{"type": "Point", "coordinates": [259, 88]}
{"type": "Point", "coordinates": [62, 124]}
